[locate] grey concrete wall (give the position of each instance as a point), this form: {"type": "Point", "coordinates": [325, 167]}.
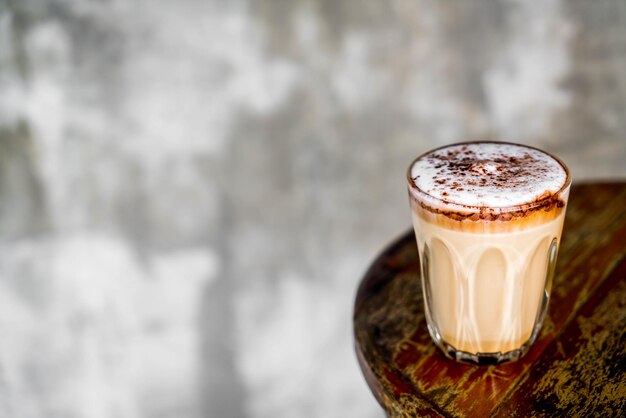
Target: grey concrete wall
{"type": "Point", "coordinates": [191, 190]}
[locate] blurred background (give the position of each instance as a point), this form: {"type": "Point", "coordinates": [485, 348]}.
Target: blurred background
{"type": "Point", "coordinates": [190, 191]}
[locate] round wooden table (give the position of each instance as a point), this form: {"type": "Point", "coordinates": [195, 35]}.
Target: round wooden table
{"type": "Point", "coordinates": [577, 366]}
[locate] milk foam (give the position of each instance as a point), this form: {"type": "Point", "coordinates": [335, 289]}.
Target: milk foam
{"type": "Point", "coordinates": [488, 174]}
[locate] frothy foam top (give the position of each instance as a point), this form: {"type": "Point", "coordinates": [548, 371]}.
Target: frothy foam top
{"type": "Point", "coordinates": [488, 174]}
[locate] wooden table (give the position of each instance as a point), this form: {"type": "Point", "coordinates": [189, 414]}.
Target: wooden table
{"type": "Point", "coordinates": [577, 366]}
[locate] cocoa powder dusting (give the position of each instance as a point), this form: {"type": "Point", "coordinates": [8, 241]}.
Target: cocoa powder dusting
{"type": "Point", "coordinates": [483, 175]}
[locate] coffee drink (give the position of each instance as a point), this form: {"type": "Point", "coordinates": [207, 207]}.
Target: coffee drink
{"type": "Point", "coordinates": [488, 218]}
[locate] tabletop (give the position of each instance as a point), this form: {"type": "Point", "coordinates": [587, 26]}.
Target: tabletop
{"type": "Point", "coordinates": [577, 365]}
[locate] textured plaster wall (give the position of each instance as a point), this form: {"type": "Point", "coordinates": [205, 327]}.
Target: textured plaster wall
{"type": "Point", "coordinates": [191, 190]}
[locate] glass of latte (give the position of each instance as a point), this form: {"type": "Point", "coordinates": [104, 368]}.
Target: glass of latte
{"type": "Point", "coordinates": [488, 218]}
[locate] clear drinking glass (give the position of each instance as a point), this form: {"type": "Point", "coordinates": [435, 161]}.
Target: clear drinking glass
{"type": "Point", "coordinates": [487, 269]}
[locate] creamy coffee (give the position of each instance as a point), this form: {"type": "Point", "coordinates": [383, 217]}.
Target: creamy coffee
{"type": "Point", "coordinates": [488, 218]}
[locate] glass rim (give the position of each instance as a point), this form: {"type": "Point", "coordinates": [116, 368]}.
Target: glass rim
{"type": "Point", "coordinates": [473, 208]}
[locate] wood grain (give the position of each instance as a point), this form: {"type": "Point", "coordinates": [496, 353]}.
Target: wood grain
{"type": "Point", "coordinates": [577, 365]}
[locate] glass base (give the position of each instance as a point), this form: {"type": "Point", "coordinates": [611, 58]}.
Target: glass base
{"type": "Point", "coordinates": [482, 359]}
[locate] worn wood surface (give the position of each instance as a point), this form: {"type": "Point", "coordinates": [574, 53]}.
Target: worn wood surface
{"type": "Point", "coordinates": [577, 366]}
